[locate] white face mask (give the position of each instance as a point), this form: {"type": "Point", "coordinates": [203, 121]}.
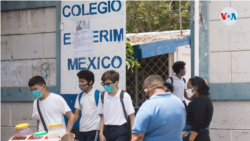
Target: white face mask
{"type": "Point", "coordinates": [189, 92]}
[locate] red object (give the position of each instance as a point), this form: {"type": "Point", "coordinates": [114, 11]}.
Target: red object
{"type": "Point", "coordinates": [223, 16]}
{"type": "Point", "coordinates": [31, 137]}
{"type": "Point", "coordinates": [19, 137]}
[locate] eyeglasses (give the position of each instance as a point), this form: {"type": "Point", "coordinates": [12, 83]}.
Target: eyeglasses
{"type": "Point", "coordinates": [107, 84]}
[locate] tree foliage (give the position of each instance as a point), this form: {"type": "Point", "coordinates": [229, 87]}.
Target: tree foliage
{"type": "Point", "coordinates": [149, 16]}
{"type": "Point", "coordinates": [130, 60]}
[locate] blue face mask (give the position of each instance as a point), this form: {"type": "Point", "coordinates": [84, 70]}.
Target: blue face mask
{"type": "Point", "coordinates": [37, 93]}
{"type": "Point", "coordinates": [109, 88]}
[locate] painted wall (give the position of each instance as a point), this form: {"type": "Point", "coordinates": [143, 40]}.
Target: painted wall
{"type": "Point", "coordinates": [28, 48]}
{"type": "Point", "coordinates": [224, 55]}
{"type": "Point", "coordinates": [109, 31]}
{"type": "Point", "coordinates": [229, 55]}
{"type": "Point", "coordinates": [31, 45]}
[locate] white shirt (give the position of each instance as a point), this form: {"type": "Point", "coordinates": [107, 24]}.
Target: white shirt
{"type": "Point", "coordinates": [90, 119]}
{"type": "Point", "coordinates": [53, 109]}
{"type": "Point", "coordinates": [112, 108]}
{"type": "Point", "coordinates": [179, 86]}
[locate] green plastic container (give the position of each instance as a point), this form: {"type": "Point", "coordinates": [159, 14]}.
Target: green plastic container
{"type": "Point", "coordinates": [40, 135]}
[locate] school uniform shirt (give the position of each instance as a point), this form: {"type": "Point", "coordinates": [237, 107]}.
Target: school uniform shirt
{"type": "Point", "coordinates": [53, 109]}
{"type": "Point", "coordinates": [112, 108]}
{"type": "Point", "coordinates": [161, 118]}
{"type": "Point", "coordinates": [90, 119]}
{"type": "Point", "coordinates": [179, 87]}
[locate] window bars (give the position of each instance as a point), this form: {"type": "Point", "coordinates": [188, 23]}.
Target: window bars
{"type": "Point", "coordinates": [134, 81]}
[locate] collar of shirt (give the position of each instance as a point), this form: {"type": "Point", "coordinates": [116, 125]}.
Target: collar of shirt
{"type": "Point", "coordinates": [160, 95]}
{"type": "Point", "coordinates": [117, 95]}
{"type": "Point", "coordinates": [90, 92]}
{"type": "Point", "coordinates": [175, 77]}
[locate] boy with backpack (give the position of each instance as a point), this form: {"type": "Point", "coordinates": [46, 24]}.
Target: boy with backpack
{"type": "Point", "coordinates": [178, 81]}
{"type": "Point", "coordinates": [87, 102]}
{"type": "Point", "coordinates": [116, 109]}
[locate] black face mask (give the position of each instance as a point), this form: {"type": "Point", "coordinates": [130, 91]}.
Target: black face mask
{"type": "Point", "coordinates": [147, 95]}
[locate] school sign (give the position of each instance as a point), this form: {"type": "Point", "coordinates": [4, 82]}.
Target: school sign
{"type": "Point", "coordinates": [92, 37]}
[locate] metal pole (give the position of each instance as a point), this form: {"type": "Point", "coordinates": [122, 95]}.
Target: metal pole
{"type": "Point", "coordinates": [196, 34]}
{"type": "Point", "coordinates": [136, 87]}
{"type": "Point", "coordinates": [180, 16]}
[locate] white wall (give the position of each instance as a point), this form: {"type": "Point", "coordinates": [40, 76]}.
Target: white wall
{"type": "Point", "coordinates": [29, 36]}
{"type": "Point", "coordinates": [229, 45]}
{"type": "Point", "coordinates": [229, 57]}
{"type": "Point", "coordinates": [183, 53]}
{"type": "Point", "coordinates": [108, 21]}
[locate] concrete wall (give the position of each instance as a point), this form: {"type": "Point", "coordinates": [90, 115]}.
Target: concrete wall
{"type": "Point", "coordinates": [13, 113]}
{"type": "Point", "coordinates": [229, 55]}
{"type": "Point", "coordinates": [28, 48]}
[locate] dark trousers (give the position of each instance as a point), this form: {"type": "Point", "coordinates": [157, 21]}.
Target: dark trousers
{"type": "Point", "coordinates": [202, 136]}
{"type": "Point", "coordinates": [185, 104]}
{"type": "Point", "coordinates": [116, 133]}
{"type": "Point", "coordinates": [89, 136]}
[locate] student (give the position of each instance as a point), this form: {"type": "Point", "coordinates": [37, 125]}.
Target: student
{"type": "Point", "coordinates": [112, 107]}
{"type": "Point", "coordinates": [178, 81]}
{"type": "Point", "coordinates": [87, 104]}
{"type": "Point", "coordinates": [199, 111]}
{"type": "Point", "coordinates": [162, 117]}
{"type": "Point", "coordinates": [52, 106]}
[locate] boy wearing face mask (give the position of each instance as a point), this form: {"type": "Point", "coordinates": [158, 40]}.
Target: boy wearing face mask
{"type": "Point", "coordinates": [178, 81]}
{"type": "Point", "coordinates": [87, 102]}
{"type": "Point", "coordinates": [52, 106]}
{"type": "Point", "coordinates": [114, 124]}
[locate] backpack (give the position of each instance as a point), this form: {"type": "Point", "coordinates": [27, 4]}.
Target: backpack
{"type": "Point", "coordinates": [97, 93]}
{"type": "Point", "coordinates": [124, 111]}
{"type": "Point", "coordinates": [172, 80]}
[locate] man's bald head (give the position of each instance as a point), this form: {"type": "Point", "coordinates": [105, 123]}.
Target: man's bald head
{"type": "Point", "coordinates": [153, 81]}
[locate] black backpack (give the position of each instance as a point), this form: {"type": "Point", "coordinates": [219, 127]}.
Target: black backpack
{"type": "Point", "coordinates": [124, 111]}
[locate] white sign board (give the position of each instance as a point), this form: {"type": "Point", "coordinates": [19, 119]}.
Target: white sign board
{"type": "Point", "coordinates": [92, 37]}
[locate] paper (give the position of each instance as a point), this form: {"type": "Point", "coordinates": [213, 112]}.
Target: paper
{"type": "Point", "coordinates": [83, 37]}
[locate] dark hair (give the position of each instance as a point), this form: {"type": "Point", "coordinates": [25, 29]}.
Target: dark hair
{"type": "Point", "coordinates": [87, 75]}
{"type": "Point", "coordinates": [203, 88]}
{"type": "Point", "coordinates": [36, 80]}
{"type": "Point", "coordinates": [178, 65]}
{"type": "Point", "coordinates": [111, 75]}
{"type": "Point", "coordinates": [169, 86]}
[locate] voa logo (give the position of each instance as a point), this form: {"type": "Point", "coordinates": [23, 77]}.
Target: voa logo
{"type": "Point", "coordinates": [228, 16]}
